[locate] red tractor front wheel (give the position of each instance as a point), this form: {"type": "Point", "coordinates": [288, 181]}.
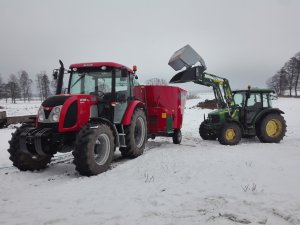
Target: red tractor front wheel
{"type": "Point", "coordinates": [94, 149]}
{"type": "Point", "coordinates": [24, 161]}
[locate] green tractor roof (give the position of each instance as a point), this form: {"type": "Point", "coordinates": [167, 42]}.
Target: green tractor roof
{"type": "Point", "coordinates": [255, 90]}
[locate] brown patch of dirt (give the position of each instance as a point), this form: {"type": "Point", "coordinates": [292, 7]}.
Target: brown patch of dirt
{"type": "Point", "coordinates": [208, 104]}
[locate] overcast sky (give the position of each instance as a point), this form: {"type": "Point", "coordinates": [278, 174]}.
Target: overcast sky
{"type": "Point", "coordinates": [246, 41]}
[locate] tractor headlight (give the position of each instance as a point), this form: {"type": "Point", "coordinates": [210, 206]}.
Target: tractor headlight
{"type": "Point", "coordinates": [41, 114]}
{"type": "Point", "coordinates": [55, 113]}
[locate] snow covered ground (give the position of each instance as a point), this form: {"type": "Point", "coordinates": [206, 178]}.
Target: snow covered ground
{"type": "Point", "coordinates": [21, 108]}
{"type": "Point", "coordinates": [197, 182]}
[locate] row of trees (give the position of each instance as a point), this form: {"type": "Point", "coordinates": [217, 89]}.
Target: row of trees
{"type": "Point", "coordinates": [286, 80]}
{"type": "Point", "coordinates": [21, 86]}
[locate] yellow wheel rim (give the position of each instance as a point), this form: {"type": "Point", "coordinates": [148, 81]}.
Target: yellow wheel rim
{"type": "Point", "coordinates": [273, 128]}
{"type": "Point", "coordinates": [230, 134]}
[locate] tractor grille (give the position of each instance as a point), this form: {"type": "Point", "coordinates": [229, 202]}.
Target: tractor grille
{"type": "Point", "coordinates": [71, 115]}
{"type": "Point", "coordinates": [54, 126]}
{"type": "Point", "coordinates": [47, 113]}
{"type": "Point", "coordinates": [215, 119]}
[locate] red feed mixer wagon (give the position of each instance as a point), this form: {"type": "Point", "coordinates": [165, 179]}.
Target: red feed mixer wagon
{"type": "Point", "coordinates": [165, 107]}
{"type": "Point", "coordinates": [104, 108]}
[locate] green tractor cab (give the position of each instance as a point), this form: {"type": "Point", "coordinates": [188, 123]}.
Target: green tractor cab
{"type": "Point", "coordinates": [242, 113]}
{"type": "Point", "coordinates": [252, 115]}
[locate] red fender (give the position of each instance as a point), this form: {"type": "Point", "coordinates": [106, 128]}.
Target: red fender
{"type": "Point", "coordinates": [130, 109]}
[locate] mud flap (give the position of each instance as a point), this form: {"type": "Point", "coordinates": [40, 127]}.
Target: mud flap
{"type": "Point", "coordinates": [169, 122]}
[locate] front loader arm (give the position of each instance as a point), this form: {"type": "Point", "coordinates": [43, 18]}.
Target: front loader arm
{"type": "Point", "coordinates": [220, 85]}
{"type": "Point", "coordinates": [188, 57]}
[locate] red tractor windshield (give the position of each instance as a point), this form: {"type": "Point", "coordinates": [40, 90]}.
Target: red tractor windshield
{"type": "Point", "coordinates": [90, 82]}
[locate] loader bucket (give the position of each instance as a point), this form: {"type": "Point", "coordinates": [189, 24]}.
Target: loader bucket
{"type": "Point", "coordinates": [185, 57]}
{"type": "Point", "coordinates": [191, 74]}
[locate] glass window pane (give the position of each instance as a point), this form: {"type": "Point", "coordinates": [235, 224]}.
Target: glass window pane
{"type": "Point", "coordinates": [238, 99]}
{"type": "Point", "coordinates": [90, 82]}
{"type": "Point", "coordinates": [254, 99]}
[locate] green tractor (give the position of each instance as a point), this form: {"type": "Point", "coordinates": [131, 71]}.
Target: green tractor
{"type": "Point", "coordinates": [241, 113]}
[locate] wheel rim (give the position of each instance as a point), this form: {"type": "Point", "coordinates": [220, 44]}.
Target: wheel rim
{"type": "Point", "coordinates": [139, 132]}
{"type": "Point", "coordinates": [102, 149]}
{"type": "Point", "coordinates": [273, 128]}
{"type": "Point", "coordinates": [230, 134]}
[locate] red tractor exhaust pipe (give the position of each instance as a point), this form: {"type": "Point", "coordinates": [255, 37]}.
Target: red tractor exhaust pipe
{"type": "Point", "coordinates": [59, 77]}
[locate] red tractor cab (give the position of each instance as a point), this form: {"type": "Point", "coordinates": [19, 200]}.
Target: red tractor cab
{"type": "Point", "coordinates": [104, 108]}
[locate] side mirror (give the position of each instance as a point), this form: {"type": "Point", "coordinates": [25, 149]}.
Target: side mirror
{"type": "Point", "coordinates": [55, 74]}
{"type": "Point", "coordinates": [124, 73]}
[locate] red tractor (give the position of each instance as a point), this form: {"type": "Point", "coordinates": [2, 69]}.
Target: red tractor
{"type": "Point", "coordinates": [104, 108]}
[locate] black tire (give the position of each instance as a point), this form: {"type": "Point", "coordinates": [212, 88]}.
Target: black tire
{"type": "Point", "coordinates": [94, 149]}
{"type": "Point", "coordinates": [271, 129]}
{"type": "Point", "coordinates": [135, 135]}
{"type": "Point", "coordinates": [230, 134]}
{"type": "Point", "coordinates": [24, 161]}
{"type": "Point", "coordinates": [2, 123]}
{"type": "Point", "coordinates": [177, 137]}
{"type": "Point", "coordinates": [205, 134]}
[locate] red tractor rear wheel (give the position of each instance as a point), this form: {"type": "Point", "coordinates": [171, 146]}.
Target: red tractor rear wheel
{"type": "Point", "coordinates": [135, 135]}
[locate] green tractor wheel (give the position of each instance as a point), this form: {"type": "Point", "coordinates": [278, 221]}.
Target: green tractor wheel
{"type": "Point", "coordinates": [205, 134]}
{"type": "Point", "coordinates": [271, 129]}
{"type": "Point", "coordinates": [230, 134]}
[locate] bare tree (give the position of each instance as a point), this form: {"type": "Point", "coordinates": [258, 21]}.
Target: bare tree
{"type": "Point", "coordinates": [157, 81]}
{"type": "Point", "coordinates": [1, 88]}
{"type": "Point", "coordinates": [39, 85]}
{"type": "Point", "coordinates": [283, 82]}
{"type": "Point", "coordinates": [13, 87]}
{"type": "Point", "coordinates": [290, 74]}
{"type": "Point", "coordinates": [25, 85]}
{"type": "Point", "coordinates": [273, 83]}
{"type": "Point", "coordinates": [278, 82]}
{"type": "Point", "coordinates": [287, 78]}
{"type": "Point", "coordinates": [53, 86]}
{"type": "Point", "coordinates": [297, 68]}
{"type": "Point", "coordinates": [6, 91]}
{"type": "Point", "coordinates": [43, 85]}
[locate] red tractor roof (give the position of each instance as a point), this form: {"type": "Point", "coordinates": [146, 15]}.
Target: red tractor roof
{"type": "Point", "coordinates": [98, 64]}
